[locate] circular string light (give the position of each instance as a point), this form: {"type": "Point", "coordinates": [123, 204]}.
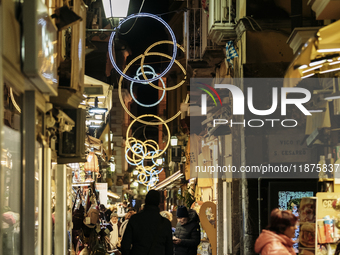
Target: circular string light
{"type": "Point", "coordinates": [137, 151]}
{"type": "Point", "coordinates": [134, 163]}
{"type": "Point", "coordinates": [147, 175]}
{"type": "Point", "coordinates": [131, 89]}
{"type": "Point", "coordinates": [139, 73]}
{"type": "Point", "coordinates": [146, 53]}
{"type": "Point", "coordinates": [128, 138]}
{"type": "Point", "coordinates": [122, 101]}
{"type": "Point", "coordinates": [139, 154]}
{"type": "Point", "coordinates": [139, 15]}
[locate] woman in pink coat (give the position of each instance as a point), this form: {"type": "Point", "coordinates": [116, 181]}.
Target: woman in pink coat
{"type": "Point", "coordinates": [277, 238]}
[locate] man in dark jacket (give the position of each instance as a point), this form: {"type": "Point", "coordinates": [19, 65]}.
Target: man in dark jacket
{"type": "Point", "coordinates": [187, 235]}
{"type": "Point", "coordinates": [148, 233]}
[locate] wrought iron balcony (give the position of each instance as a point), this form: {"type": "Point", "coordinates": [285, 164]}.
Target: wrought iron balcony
{"type": "Point", "coordinates": [209, 28]}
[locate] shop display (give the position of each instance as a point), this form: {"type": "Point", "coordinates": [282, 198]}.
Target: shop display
{"type": "Point", "coordinates": [319, 233]}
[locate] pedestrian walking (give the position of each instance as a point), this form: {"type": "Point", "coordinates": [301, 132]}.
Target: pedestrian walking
{"type": "Point", "coordinates": [147, 232]}
{"type": "Point", "coordinates": [187, 234]}
{"type": "Point", "coordinates": [114, 234]}
{"type": "Point", "coordinates": [277, 237]}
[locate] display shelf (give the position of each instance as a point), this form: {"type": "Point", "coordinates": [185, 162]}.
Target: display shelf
{"type": "Point", "coordinates": [318, 231]}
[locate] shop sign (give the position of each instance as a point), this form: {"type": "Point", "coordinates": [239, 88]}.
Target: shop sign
{"type": "Point", "coordinates": [285, 148]}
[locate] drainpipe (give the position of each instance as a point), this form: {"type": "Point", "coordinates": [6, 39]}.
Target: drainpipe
{"type": "Point", "coordinates": [245, 238]}
{"type": "Point", "coordinates": [244, 202]}
{"type": "Point", "coordinates": [220, 234]}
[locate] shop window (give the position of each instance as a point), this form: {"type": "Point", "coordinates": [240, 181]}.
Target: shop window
{"type": "Point", "coordinates": [11, 167]}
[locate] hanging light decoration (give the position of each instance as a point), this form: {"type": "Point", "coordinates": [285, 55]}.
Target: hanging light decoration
{"type": "Point", "coordinates": [137, 152]}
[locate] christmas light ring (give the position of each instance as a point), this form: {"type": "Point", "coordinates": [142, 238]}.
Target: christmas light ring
{"type": "Point", "coordinates": [155, 163]}
{"type": "Point", "coordinates": [133, 116]}
{"type": "Point", "coordinates": [148, 172]}
{"type": "Point", "coordinates": [147, 105]}
{"type": "Point", "coordinates": [135, 153]}
{"type": "Point", "coordinates": [138, 151]}
{"type": "Point", "coordinates": [146, 144]}
{"type": "Point", "coordinates": [139, 72]}
{"type": "Point", "coordinates": [162, 122]}
{"type": "Point", "coordinates": [141, 178]}
{"type": "Point", "coordinates": [152, 171]}
{"type": "Point", "coordinates": [153, 182]}
{"type": "Point", "coordinates": [122, 101]}
{"type": "Point", "coordinates": [139, 160]}
{"type": "Point", "coordinates": [144, 128]}
{"type": "Point", "coordinates": [179, 65]}
{"type": "Point", "coordinates": [146, 53]}
{"type": "Point", "coordinates": [142, 15]}
{"type": "Point", "coordinates": [139, 147]}
{"type": "Point", "coordinates": [140, 165]}
{"type": "Point", "coordinates": [142, 56]}
{"type": "Point", "coordinates": [134, 163]}
{"type": "Point", "coordinates": [146, 176]}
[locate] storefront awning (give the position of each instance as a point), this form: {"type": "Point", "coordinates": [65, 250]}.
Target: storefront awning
{"type": "Point", "coordinates": [317, 56]}
{"type": "Point", "coordinates": [170, 182]}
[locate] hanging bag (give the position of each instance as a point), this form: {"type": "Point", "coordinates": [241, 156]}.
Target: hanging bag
{"type": "Point", "coordinates": [78, 214]}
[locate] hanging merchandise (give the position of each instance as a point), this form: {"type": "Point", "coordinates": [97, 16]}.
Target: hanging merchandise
{"type": "Point", "coordinates": [77, 212]}
{"type": "Point", "coordinates": [92, 216]}
{"type": "Point", "coordinates": [92, 163]}
{"type": "Point", "coordinates": [231, 52]}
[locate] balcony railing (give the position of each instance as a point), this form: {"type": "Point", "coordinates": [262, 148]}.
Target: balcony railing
{"type": "Point", "coordinates": [221, 23]}
{"type": "Point", "coordinates": [204, 31]}
{"type": "Point", "coordinates": [196, 30]}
